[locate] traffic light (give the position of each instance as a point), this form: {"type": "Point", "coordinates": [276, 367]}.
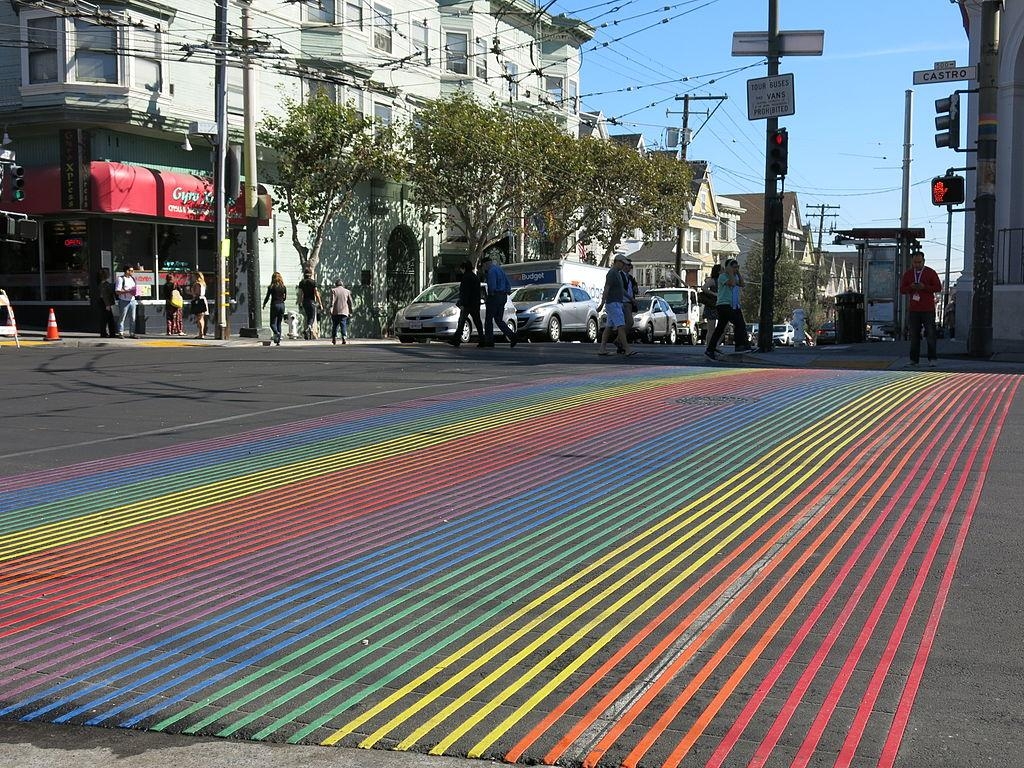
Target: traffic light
{"type": "Point", "coordinates": [948, 190]}
{"type": "Point", "coordinates": [778, 152]}
{"type": "Point", "coordinates": [17, 183]}
{"type": "Point", "coordinates": [947, 121]}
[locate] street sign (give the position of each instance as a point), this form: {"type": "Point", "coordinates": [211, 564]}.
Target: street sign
{"type": "Point", "coordinates": [944, 75]}
{"type": "Point", "coordinates": [793, 42]}
{"type": "Point", "coordinates": [770, 97]}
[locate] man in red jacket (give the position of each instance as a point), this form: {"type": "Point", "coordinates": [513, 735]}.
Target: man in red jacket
{"type": "Point", "coordinates": [921, 283]}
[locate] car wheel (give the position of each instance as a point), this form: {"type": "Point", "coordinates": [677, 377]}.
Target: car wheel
{"type": "Point", "coordinates": [672, 335]}
{"type": "Point", "coordinates": [592, 332]}
{"type": "Point", "coordinates": [466, 333]}
{"type": "Point", "coordinates": [648, 334]}
{"type": "Point", "coordinates": [554, 332]}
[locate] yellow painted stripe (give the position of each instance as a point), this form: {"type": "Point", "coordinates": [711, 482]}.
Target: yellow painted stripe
{"type": "Point", "coordinates": [623, 556]}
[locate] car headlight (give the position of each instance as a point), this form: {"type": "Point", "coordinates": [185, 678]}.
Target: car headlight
{"type": "Point", "coordinates": [450, 312]}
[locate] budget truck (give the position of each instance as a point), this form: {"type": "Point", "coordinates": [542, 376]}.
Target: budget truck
{"type": "Point", "coordinates": [586, 276]}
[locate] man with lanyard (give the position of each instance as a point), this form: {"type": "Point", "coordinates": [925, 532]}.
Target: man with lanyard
{"type": "Point", "coordinates": [921, 283]}
{"type": "Point", "coordinates": [629, 304]}
{"type": "Point", "coordinates": [125, 291]}
{"type": "Point", "coordinates": [498, 289]}
{"type": "Point", "coordinates": [612, 301]}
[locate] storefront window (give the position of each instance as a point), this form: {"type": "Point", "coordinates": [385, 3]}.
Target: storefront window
{"type": "Point", "coordinates": [132, 243]}
{"type": "Point", "coordinates": [19, 270]}
{"type": "Point", "coordinates": [207, 261]}
{"type": "Point", "coordinates": [65, 261]}
{"type": "Point", "coordinates": [176, 250]}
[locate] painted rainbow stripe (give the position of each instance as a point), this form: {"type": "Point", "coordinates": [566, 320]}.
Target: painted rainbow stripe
{"type": "Point", "coordinates": [558, 571]}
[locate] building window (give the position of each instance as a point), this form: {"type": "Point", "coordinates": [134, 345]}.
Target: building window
{"type": "Point", "coordinates": [43, 41]}
{"type": "Point", "coordinates": [481, 58]}
{"type": "Point", "coordinates": [315, 87]}
{"type": "Point", "coordinates": [65, 261]}
{"type": "Point", "coordinates": [554, 85]}
{"type": "Point", "coordinates": [354, 14]}
{"type": "Point", "coordinates": [456, 46]}
{"type": "Point", "coordinates": [95, 53]}
{"type": "Point", "coordinates": [148, 66]}
{"type": "Point", "coordinates": [382, 27]}
{"type": "Point", "coordinates": [512, 74]}
{"type": "Point", "coordinates": [421, 40]}
{"type": "Point", "coordinates": [574, 97]}
{"type": "Point", "coordinates": [382, 113]}
{"type": "Point", "coordinates": [323, 11]}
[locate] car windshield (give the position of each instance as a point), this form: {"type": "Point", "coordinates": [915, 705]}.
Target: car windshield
{"type": "Point", "coordinates": [438, 293]}
{"type": "Point", "coordinates": [676, 299]}
{"type": "Point", "coordinates": [779, 328]}
{"type": "Point", "coordinates": [536, 293]}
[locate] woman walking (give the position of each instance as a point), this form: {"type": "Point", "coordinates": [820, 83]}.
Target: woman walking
{"type": "Point", "coordinates": [276, 295]}
{"type": "Point", "coordinates": [173, 308]}
{"type": "Point", "coordinates": [728, 308]}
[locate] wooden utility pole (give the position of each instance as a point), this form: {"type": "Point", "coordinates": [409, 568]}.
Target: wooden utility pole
{"type": "Point", "coordinates": [772, 200]}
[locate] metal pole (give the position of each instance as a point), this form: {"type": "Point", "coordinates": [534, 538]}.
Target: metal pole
{"type": "Point", "coordinates": [770, 233]}
{"type": "Point", "coordinates": [252, 240]}
{"type": "Point", "coordinates": [979, 339]}
{"type": "Point", "coordinates": [949, 246]}
{"type": "Point", "coordinates": [682, 156]}
{"type": "Point", "coordinates": [221, 107]}
{"type": "Point", "coordinates": [904, 243]}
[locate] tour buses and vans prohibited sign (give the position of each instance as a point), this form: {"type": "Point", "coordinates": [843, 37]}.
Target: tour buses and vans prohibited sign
{"type": "Point", "coordinates": [770, 97]}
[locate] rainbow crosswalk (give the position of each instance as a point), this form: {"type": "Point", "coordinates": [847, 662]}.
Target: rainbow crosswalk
{"type": "Point", "coordinates": [635, 568]}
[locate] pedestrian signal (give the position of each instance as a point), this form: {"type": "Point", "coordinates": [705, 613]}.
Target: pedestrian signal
{"type": "Point", "coordinates": [948, 190]}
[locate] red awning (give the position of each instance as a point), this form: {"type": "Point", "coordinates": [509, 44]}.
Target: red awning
{"type": "Point", "coordinates": [134, 190]}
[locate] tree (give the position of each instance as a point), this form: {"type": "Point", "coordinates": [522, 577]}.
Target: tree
{"type": "Point", "coordinates": [323, 151]}
{"type": "Point", "coordinates": [484, 165]}
{"type": "Point", "coordinates": [788, 285]}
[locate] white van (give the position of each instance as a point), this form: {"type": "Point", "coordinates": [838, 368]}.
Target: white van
{"type": "Point", "coordinates": [687, 308]}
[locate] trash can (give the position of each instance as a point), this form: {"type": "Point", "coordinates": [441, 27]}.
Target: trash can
{"type": "Point", "coordinates": [140, 318]}
{"type": "Point", "coordinates": [850, 318]}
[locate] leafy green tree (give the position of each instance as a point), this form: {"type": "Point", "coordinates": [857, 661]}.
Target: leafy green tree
{"type": "Point", "coordinates": [484, 165]}
{"type": "Point", "coordinates": [789, 284]}
{"type": "Point", "coordinates": [323, 151]}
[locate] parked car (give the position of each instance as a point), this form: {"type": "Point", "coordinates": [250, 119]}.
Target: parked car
{"type": "Point", "coordinates": [652, 320]}
{"type": "Point", "coordinates": [685, 304]}
{"type": "Point", "coordinates": [784, 334]}
{"type": "Point", "coordinates": [877, 331]}
{"type": "Point", "coordinates": [553, 311]}
{"type": "Point", "coordinates": [434, 314]}
{"type": "Point", "coordinates": [826, 334]}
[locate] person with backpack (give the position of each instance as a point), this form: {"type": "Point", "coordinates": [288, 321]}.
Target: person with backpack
{"type": "Point", "coordinates": [174, 304]}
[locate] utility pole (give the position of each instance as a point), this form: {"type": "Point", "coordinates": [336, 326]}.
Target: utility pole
{"type": "Point", "coordinates": [223, 247]}
{"type": "Point", "coordinates": [822, 207]}
{"type": "Point", "coordinates": [250, 192]}
{"type": "Point", "coordinates": [684, 143]}
{"type": "Point", "coordinates": [772, 201]}
{"type": "Point", "coordinates": [904, 241]}
{"type": "Point", "coordinates": [979, 340]}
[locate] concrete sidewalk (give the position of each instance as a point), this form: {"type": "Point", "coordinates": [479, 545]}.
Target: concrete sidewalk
{"type": "Point", "coordinates": [41, 745]}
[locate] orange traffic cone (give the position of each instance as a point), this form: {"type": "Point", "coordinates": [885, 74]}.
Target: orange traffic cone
{"type": "Point", "coordinates": [51, 327]}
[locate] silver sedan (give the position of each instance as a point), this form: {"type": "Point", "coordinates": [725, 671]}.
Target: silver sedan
{"type": "Point", "coordinates": [553, 311]}
{"type": "Point", "coordinates": [434, 314]}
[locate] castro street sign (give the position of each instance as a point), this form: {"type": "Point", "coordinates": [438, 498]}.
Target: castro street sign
{"type": "Point", "coordinates": [945, 72]}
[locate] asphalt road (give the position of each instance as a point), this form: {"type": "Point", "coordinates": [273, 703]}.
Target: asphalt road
{"type": "Point", "coordinates": [529, 554]}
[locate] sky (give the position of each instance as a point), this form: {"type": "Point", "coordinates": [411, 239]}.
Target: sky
{"type": "Point", "coordinates": [847, 134]}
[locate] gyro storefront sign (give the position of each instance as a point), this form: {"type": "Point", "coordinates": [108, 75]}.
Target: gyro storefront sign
{"type": "Point", "coordinates": [190, 203]}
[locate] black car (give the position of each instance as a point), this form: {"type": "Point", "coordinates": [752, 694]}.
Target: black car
{"type": "Point", "coordinates": [826, 334]}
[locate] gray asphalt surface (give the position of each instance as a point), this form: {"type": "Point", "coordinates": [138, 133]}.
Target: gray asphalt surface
{"type": "Point", "coordinates": [969, 705]}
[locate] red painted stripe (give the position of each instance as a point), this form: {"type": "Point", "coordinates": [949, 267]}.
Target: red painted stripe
{"type": "Point", "coordinates": [952, 397]}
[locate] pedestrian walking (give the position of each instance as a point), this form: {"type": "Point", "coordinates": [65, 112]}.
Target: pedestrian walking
{"type": "Point", "coordinates": [310, 301]}
{"type": "Point", "coordinates": [612, 301]}
{"type": "Point", "coordinates": [498, 289]}
{"type": "Point", "coordinates": [200, 306]}
{"type": "Point", "coordinates": [125, 290]}
{"type": "Point", "coordinates": [921, 283]}
{"type": "Point", "coordinates": [174, 304]}
{"type": "Point", "coordinates": [799, 324]}
{"type": "Point", "coordinates": [728, 310]}
{"type": "Point", "coordinates": [341, 311]}
{"type": "Point", "coordinates": [106, 304]}
{"type": "Point", "coordinates": [629, 304]}
{"type": "Point", "coordinates": [469, 304]}
{"type": "Point", "coordinates": [709, 300]}
{"type": "Point", "coordinates": [277, 294]}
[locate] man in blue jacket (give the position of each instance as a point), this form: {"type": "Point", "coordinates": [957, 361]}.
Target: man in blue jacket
{"type": "Point", "coordinates": [498, 289]}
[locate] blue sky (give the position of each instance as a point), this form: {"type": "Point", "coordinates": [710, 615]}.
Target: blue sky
{"type": "Point", "coordinates": [846, 138]}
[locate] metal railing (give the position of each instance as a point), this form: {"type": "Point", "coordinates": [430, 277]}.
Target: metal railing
{"type": "Point", "coordinates": [1009, 257]}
